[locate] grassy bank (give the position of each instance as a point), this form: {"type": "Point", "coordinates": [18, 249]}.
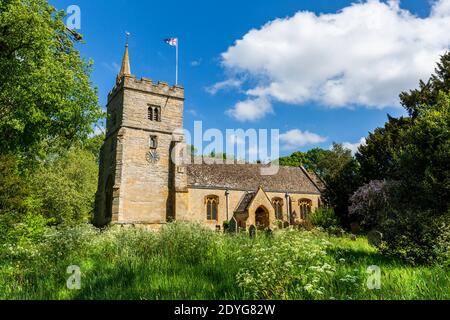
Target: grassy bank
{"type": "Point", "coordinates": [187, 262]}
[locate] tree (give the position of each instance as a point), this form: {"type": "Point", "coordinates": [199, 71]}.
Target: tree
{"type": "Point", "coordinates": [411, 155]}
{"type": "Point", "coordinates": [377, 156]}
{"type": "Point", "coordinates": [424, 161]}
{"type": "Point", "coordinates": [297, 159]}
{"type": "Point", "coordinates": [428, 92]}
{"type": "Point", "coordinates": [314, 158]}
{"type": "Point", "coordinates": [340, 172]}
{"type": "Point", "coordinates": [310, 160]}
{"type": "Point", "coordinates": [93, 145]}
{"type": "Point", "coordinates": [46, 98]}
{"type": "Point", "coordinates": [66, 186]}
{"type": "Point", "coordinates": [337, 168]}
{"type": "Point", "coordinates": [13, 189]}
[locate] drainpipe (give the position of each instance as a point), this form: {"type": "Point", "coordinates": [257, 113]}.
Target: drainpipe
{"type": "Point", "coordinates": [288, 207]}
{"type": "Point", "coordinates": [227, 194]}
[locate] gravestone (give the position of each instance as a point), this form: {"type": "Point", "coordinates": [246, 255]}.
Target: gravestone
{"type": "Point", "coordinates": [233, 226]}
{"type": "Point", "coordinates": [375, 238]}
{"type": "Point", "coordinates": [252, 232]}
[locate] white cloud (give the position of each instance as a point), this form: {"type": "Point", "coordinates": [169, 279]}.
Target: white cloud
{"type": "Point", "coordinates": [251, 109]}
{"type": "Point", "coordinates": [112, 67]}
{"type": "Point", "coordinates": [296, 138]}
{"type": "Point", "coordinates": [192, 112]}
{"type": "Point", "coordinates": [224, 85]}
{"type": "Point", "coordinates": [354, 146]}
{"type": "Point", "coordinates": [363, 55]}
{"type": "Point", "coordinates": [196, 63]}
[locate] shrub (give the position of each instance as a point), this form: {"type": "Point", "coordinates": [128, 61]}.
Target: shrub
{"type": "Point", "coordinates": [417, 236]}
{"type": "Point", "coordinates": [21, 229]}
{"type": "Point", "coordinates": [186, 241]}
{"type": "Point", "coordinates": [291, 264]}
{"type": "Point", "coordinates": [370, 203]}
{"type": "Point", "coordinates": [324, 218]}
{"type": "Point", "coordinates": [66, 186]}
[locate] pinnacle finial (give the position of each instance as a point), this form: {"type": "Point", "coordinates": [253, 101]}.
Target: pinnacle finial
{"type": "Point", "coordinates": [125, 70]}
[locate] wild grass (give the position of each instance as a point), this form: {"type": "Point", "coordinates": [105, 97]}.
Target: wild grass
{"type": "Point", "coordinates": [185, 261]}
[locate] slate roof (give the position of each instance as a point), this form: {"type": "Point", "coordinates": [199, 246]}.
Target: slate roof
{"type": "Point", "coordinates": [245, 202]}
{"type": "Point", "coordinates": [318, 181]}
{"type": "Point", "coordinates": [248, 177]}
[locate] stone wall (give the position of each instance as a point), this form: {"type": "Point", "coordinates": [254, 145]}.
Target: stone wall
{"type": "Point", "coordinates": [197, 208]}
{"type": "Point", "coordinates": [144, 191]}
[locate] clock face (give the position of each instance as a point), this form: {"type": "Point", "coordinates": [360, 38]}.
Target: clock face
{"type": "Point", "coordinates": [152, 156]}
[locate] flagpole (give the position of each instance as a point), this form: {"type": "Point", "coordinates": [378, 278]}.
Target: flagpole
{"type": "Point", "coordinates": [176, 73]}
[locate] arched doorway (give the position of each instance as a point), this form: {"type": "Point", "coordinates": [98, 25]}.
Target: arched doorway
{"type": "Point", "coordinates": [109, 196]}
{"type": "Point", "coordinates": [262, 218]}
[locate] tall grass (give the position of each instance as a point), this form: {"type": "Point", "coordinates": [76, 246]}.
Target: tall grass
{"type": "Point", "coordinates": [185, 261]}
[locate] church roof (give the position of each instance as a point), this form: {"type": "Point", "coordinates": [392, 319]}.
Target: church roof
{"type": "Point", "coordinates": [318, 181]}
{"type": "Point", "coordinates": [245, 202]}
{"type": "Point", "coordinates": [248, 177]}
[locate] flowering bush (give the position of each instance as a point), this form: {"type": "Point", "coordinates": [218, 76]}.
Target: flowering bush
{"type": "Point", "coordinates": [292, 264]}
{"type": "Point", "coordinates": [371, 202]}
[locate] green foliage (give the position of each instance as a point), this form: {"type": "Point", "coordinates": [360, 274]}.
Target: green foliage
{"type": "Point", "coordinates": [377, 156]}
{"type": "Point", "coordinates": [13, 189]}
{"type": "Point", "coordinates": [311, 160]}
{"type": "Point", "coordinates": [337, 168]}
{"type": "Point", "coordinates": [341, 175]}
{"type": "Point", "coordinates": [418, 228]}
{"type": "Point", "coordinates": [93, 145]}
{"type": "Point", "coordinates": [324, 218]}
{"type": "Point", "coordinates": [21, 229]}
{"type": "Point", "coordinates": [290, 265]}
{"type": "Point", "coordinates": [129, 263]}
{"type": "Point", "coordinates": [412, 211]}
{"type": "Point", "coordinates": [46, 98]}
{"type": "Point", "coordinates": [428, 93]}
{"type": "Point", "coordinates": [297, 159]}
{"type": "Point", "coordinates": [66, 186]}
{"type": "Point", "coordinates": [411, 155]}
{"type": "Point", "coordinates": [416, 236]}
{"type": "Point", "coordinates": [423, 163]}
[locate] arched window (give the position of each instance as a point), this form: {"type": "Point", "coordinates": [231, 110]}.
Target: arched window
{"type": "Point", "coordinates": [305, 208]}
{"type": "Point", "coordinates": [154, 113]}
{"type": "Point", "coordinates": [157, 115]}
{"type": "Point", "coordinates": [153, 143]}
{"type": "Point", "coordinates": [278, 205]}
{"type": "Point", "coordinates": [212, 205]}
{"type": "Point", "coordinates": [150, 113]}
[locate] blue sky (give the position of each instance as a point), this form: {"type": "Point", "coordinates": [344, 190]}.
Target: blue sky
{"type": "Point", "coordinates": [208, 29]}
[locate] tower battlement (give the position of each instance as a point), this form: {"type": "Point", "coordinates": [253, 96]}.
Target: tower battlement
{"type": "Point", "coordinates": [138, 180]}
{"type": "Point", "coordinates": [147, 85]}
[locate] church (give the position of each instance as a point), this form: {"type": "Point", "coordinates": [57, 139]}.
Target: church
{"type": "Point", "coordinates": [140, 185]}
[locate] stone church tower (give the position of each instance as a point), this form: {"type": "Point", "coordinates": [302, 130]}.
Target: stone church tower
{"type": "Point", "coordinates": [138, 181]}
